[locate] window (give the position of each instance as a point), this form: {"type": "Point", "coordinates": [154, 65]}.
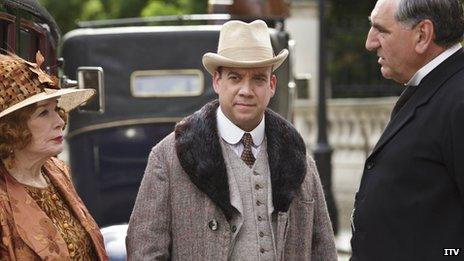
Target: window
{"type": "Point", "coordinates": [7, 32]}
{"type": "Point", "coordinates": [31, 39]}
{"type": "Point", "coordinates": [3, 34]}
{"type": "Point", "coordinates": [167, 83]}
{"type": "Point", "coordinates": [28, 44]}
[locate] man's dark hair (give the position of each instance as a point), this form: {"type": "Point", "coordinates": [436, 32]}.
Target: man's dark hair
{"type": "Point", "coordinates": [219, 70]}
{"type": "Point", "coordinates": [446, 15]}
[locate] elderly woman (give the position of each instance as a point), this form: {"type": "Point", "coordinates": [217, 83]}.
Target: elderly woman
{"type": "Point", "coordinates": [41, 215]}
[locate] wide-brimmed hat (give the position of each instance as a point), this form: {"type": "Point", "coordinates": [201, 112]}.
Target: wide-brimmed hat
{"type": "Point", "coordinates": [244, 45]}
{"type": "Point", "coordinates": [23, 83]}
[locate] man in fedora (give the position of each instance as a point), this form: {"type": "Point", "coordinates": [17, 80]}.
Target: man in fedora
{"type": "Point", "coordinates": [233, 181]}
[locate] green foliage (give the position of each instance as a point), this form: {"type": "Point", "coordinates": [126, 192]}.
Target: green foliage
{"type": "Point", "coordinates": [131, 8]}
{"type": "Point", "coordinates": [67, 12]}
{"type": "Point", "coordinates": [64, 12]}
{"type": "Point", "coordinates": [92, 10]}
{"type": "Point", "coordinates": [196, 6]}
{"type": "Point", "coordinates": [353, 70]}
{"type": "Point", "coordinates": [174, 7]}
{"type": "Point", "coordinates": [159, 7]}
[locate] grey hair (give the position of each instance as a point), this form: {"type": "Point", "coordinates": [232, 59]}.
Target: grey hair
{"type": "Point", "coordinates": [446, 15]}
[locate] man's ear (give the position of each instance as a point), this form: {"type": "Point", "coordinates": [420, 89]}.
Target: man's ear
{"type": "Point", "coordinates": [273, 84]}
{"type": "Point", "coordinates": [216, 78]}
{"type": "Point", "coordinates": [425, 34]}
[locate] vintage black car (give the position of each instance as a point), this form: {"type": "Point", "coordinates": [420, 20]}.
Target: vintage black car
{"type": "Point", "coordinates": [153, 78]}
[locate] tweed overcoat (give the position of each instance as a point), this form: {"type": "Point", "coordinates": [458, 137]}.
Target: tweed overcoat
{"type": "Point", "coordinates": [26, 231]}
{"type": "Point", "coordinates": [183, 208]}
{"type": "Point", "coordinates": [410, 204]}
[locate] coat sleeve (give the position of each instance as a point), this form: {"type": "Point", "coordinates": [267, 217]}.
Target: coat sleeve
{"type": "Point", "coordinates": [148, 235]}
{"type": "Point", "coordinates": [323, 243]}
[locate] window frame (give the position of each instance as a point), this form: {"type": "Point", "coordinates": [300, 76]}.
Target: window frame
{"type": "Point", "coordinates": [39, 35]}
{"type": "Point", "coordinates": [10, 22]}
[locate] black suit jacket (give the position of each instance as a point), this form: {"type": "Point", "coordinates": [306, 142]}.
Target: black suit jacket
{"type": "Point", "coordinates": [410, 204]}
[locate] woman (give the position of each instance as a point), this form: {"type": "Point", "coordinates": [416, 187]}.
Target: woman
{"type": "Point", "coordinates": [41, 215]}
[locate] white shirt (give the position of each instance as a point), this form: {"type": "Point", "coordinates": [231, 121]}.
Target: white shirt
{"type": "Point", "coordinates": [426, 69]}
{"type": "Point", "coordinates": [232, 134]}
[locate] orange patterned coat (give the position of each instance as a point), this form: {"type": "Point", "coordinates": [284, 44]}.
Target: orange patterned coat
{"type": "Point", "coordinates": [26, 231]}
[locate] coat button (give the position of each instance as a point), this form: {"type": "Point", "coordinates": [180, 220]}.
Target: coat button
{"type": "Point", "coordinates": [262, 250]}
{"type": "Point", "coordinates": [233, 228]}
{"type": "Point", "coordinates": [260, 218]}
{"type": "Point", "coordinates": [370, 165]}
{"type": "Point", "coordinates": [258, 203]}
{"type": "Point", "coordinates": [261, 234]}
{"type": "Point", "coordinates": [213, 225]}
{"type": "Point", "coordinates": [257, 186]}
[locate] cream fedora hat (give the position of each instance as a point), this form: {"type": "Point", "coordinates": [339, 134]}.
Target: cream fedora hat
{"type": "Point", "coordinates": [23, 83]}
{"type": "Point", "coordinates": [244, 45]}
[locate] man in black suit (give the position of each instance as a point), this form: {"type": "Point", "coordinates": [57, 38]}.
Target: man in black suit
{"type": "Point", "coordinates": [410, 203]}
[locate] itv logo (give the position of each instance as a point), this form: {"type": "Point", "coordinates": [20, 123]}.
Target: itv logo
{"type": "Point", "coordinates": [451, 251]}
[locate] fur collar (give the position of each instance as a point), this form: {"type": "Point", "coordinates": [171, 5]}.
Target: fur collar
{"type": "Point", "coordinates": [199, 151]}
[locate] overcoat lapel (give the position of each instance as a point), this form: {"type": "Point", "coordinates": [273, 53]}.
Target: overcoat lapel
{"type": "Point", "coordinates": [200, 155]}
{"type": "Point", "coordinates": [428, 87]}
{"type": "Point", "coordinates": [35, 228]}
{"type": "Point", "coordinates": [32, 224]}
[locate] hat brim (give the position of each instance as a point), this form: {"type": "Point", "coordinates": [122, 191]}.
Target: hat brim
{"type": "Point", "coordinates": [211, 61]}
{"type": "Point", "coordinates": [70, 98]}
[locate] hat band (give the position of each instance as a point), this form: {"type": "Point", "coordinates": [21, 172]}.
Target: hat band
{"type": "Point", "coordinates": [249, 54]}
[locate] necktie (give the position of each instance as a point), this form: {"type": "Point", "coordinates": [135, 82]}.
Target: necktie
{"type": "Point", "coordinates": [404, 97]}
{"type": "Point", "coordinates": [247, 155]}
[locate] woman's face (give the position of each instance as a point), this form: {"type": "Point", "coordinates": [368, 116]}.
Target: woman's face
{"type": "Point", "coordinates": [46, 128]}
